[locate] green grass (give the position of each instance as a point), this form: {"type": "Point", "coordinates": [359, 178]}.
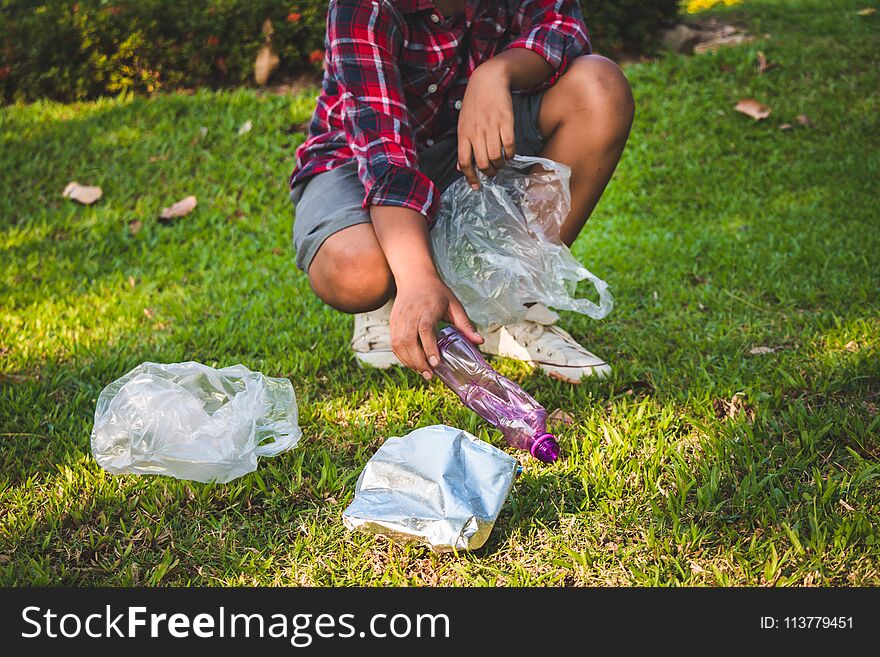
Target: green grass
{"type": "Point", "coordinates": [718, 235]}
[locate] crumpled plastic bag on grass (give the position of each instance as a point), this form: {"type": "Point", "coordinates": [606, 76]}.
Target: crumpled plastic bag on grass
{"type": "Point", "coordinates": [499, 248]}
{"type": "Point", "coordinates": [191, 421]}
{"type": "Point", "coordinates": [437, 485]}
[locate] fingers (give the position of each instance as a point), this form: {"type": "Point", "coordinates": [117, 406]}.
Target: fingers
{"type": "Point", "coordinates": [486, 154]}
{"type": "Point", "coordinates": [508, 140]}
{"type": "Point", "coordinates": [466, 163]}
{"type": "Point", "coordinates": [494, 151]}
{"type": "Point", "coordinates": [458, 318]}
{"type": "Point", "coordinates": [481, 157]}
{"type": "Point", "coordinates": [427, 334]}
{"type": "Point", "coordinates": [406, 346]}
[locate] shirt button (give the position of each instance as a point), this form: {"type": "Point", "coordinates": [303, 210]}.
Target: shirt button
{"type": "Point", "coordinates": [432, 88]}
{"type": "Point", "coordinates": [435, 18]}
{"type": "Point", "coordinates": [458, 104]}
{"type": "Point", "coordinates": [429, 142]}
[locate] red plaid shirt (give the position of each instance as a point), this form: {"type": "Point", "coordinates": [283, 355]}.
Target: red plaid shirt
{"type": "Point", "coordinates": [395, 74]}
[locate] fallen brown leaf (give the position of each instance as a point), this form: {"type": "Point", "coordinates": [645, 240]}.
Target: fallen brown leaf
{"type": "Point", "coordinates": [751, 107]}
{"type": "Point", "coordinates": [134, 226]}
{"type": "Point", "coordinates": [728, 410]}
{"type": "Point", "coordinates": [696, 568]}
{"type": "Point", "coordinates": [148, 313]}
{"type": "Point", "coordinates": [245, 127]}
{"type": "Point", "coordinates": [278, 251]}
{"type": "Point", "coordinates": [82, 193]}
{"type": "Point", "coordinates": [132, 282]}
{"type": "Point", "coordinates": [867, 11]}
{"type": "Point", "coordinates": [804, 120]}
{"type": "Point", "coordinates": [846, 506]}
{"type": "Point", "coordinates": [179, 209]}
{"type": "Point", "coordinates": [852, 346]}
{"type": "Point", "coordinates": [785, 126]}
{"type": "Point", "coordinates": [758, 351]}
{"type": "Point", "coordinates": [157, 158]}
{"type": "Point", "coordinates": [562, 417]}
{"type": "Point", "coordinates": [763, 64]}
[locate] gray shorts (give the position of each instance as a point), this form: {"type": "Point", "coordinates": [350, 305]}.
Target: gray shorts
{"type": "Point", "coordinates": [332, 201]}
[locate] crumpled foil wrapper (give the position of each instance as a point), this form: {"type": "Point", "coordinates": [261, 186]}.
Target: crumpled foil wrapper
{"type": "Point", "coordinates": [438, 486]}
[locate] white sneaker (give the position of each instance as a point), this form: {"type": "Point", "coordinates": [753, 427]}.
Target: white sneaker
{"type": "Point", "coordinates": [537, 341]}
{"type": "Point", "coordinates": [372, 338]}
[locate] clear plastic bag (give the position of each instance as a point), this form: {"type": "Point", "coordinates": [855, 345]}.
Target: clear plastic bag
{"type": "Point", "coordinates": [191, 421]}
{"type": "Point", "coordinates": [499, 248]}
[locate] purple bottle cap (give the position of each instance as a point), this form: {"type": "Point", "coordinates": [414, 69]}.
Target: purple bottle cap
{"type": "Point", "coordinates": [545, 448]}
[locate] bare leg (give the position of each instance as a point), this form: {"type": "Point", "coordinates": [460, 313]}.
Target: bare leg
{"type": "Point", "coordinates": [585, 120]}
{"type": "Point", "coordinates": [350, 272]}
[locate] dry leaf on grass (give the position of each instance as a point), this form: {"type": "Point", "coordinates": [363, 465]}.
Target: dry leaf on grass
{"type": "Point", "coordinates": [785, 126]}
{"type": "Point", "coordinates": [763, 64]}
{"type": "Point", "coordinates": [82, 193]}
{"type": "Point", "coordinates": [278, 251]}
{"type": "Point", "coordinates": [758, 351]}
{"type": "Point", "coordinates": [846, 506]}
{"type": "Point", "coordinates": [804, 120]}
{"type": "Point", "coordinates": [696, 568]}
{"type": "Point", "coordinates": [561, 416]}
{"type": "Point", "coordinates": [149, 314]}
{"type": "Point", "coordinates": [179, 209]}
{"type": "Point", "coordinates": [134, 226]}
{"type": "Point", "coordinates": [728, 410]}
{"type": "Point", "coordinates": [867, 11]}
{"type": "Point", "coordinates": [245, 127]}
{"type": "Point", "coordinates": [132, 282]}
{"type": "Point", "coordinates": [751, 107]}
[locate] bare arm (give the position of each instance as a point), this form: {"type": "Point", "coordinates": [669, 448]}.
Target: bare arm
{"type": "Point", "coordinates": [485, 125]}
{"type": "Point", "coordinates": [422, 298]}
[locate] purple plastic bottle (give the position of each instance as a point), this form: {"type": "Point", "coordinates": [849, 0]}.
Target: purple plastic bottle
{"type": "Point", "coordinates": [495, 398]}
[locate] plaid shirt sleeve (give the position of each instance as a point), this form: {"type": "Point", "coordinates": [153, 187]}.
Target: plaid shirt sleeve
{"type": "Point", "coordinates": [555, 30]}
{"type": "Point", "coordinates": [363, 41]}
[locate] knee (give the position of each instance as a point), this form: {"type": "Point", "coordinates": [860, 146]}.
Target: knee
{"type": "Point", "coordinates": [351, 277]}
{"type": "Point", "coordinates": [598, 85]}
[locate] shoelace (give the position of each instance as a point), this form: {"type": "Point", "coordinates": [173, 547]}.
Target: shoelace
{"type": "Point", "coordinates": [374, 329]}
{"type": "Point", "coordinates": [547, 338]}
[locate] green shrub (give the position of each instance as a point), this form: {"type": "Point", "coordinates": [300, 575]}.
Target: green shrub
{"type": "Point", "coordinates": [76, 50]}
{"type": "Point", "coordinates": [629, 25]}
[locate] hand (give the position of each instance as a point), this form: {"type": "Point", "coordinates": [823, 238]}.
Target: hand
{"type": "Point", "coordinates": [485, 124]}
{"type": "Point", "coordinates": [419, 306]}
